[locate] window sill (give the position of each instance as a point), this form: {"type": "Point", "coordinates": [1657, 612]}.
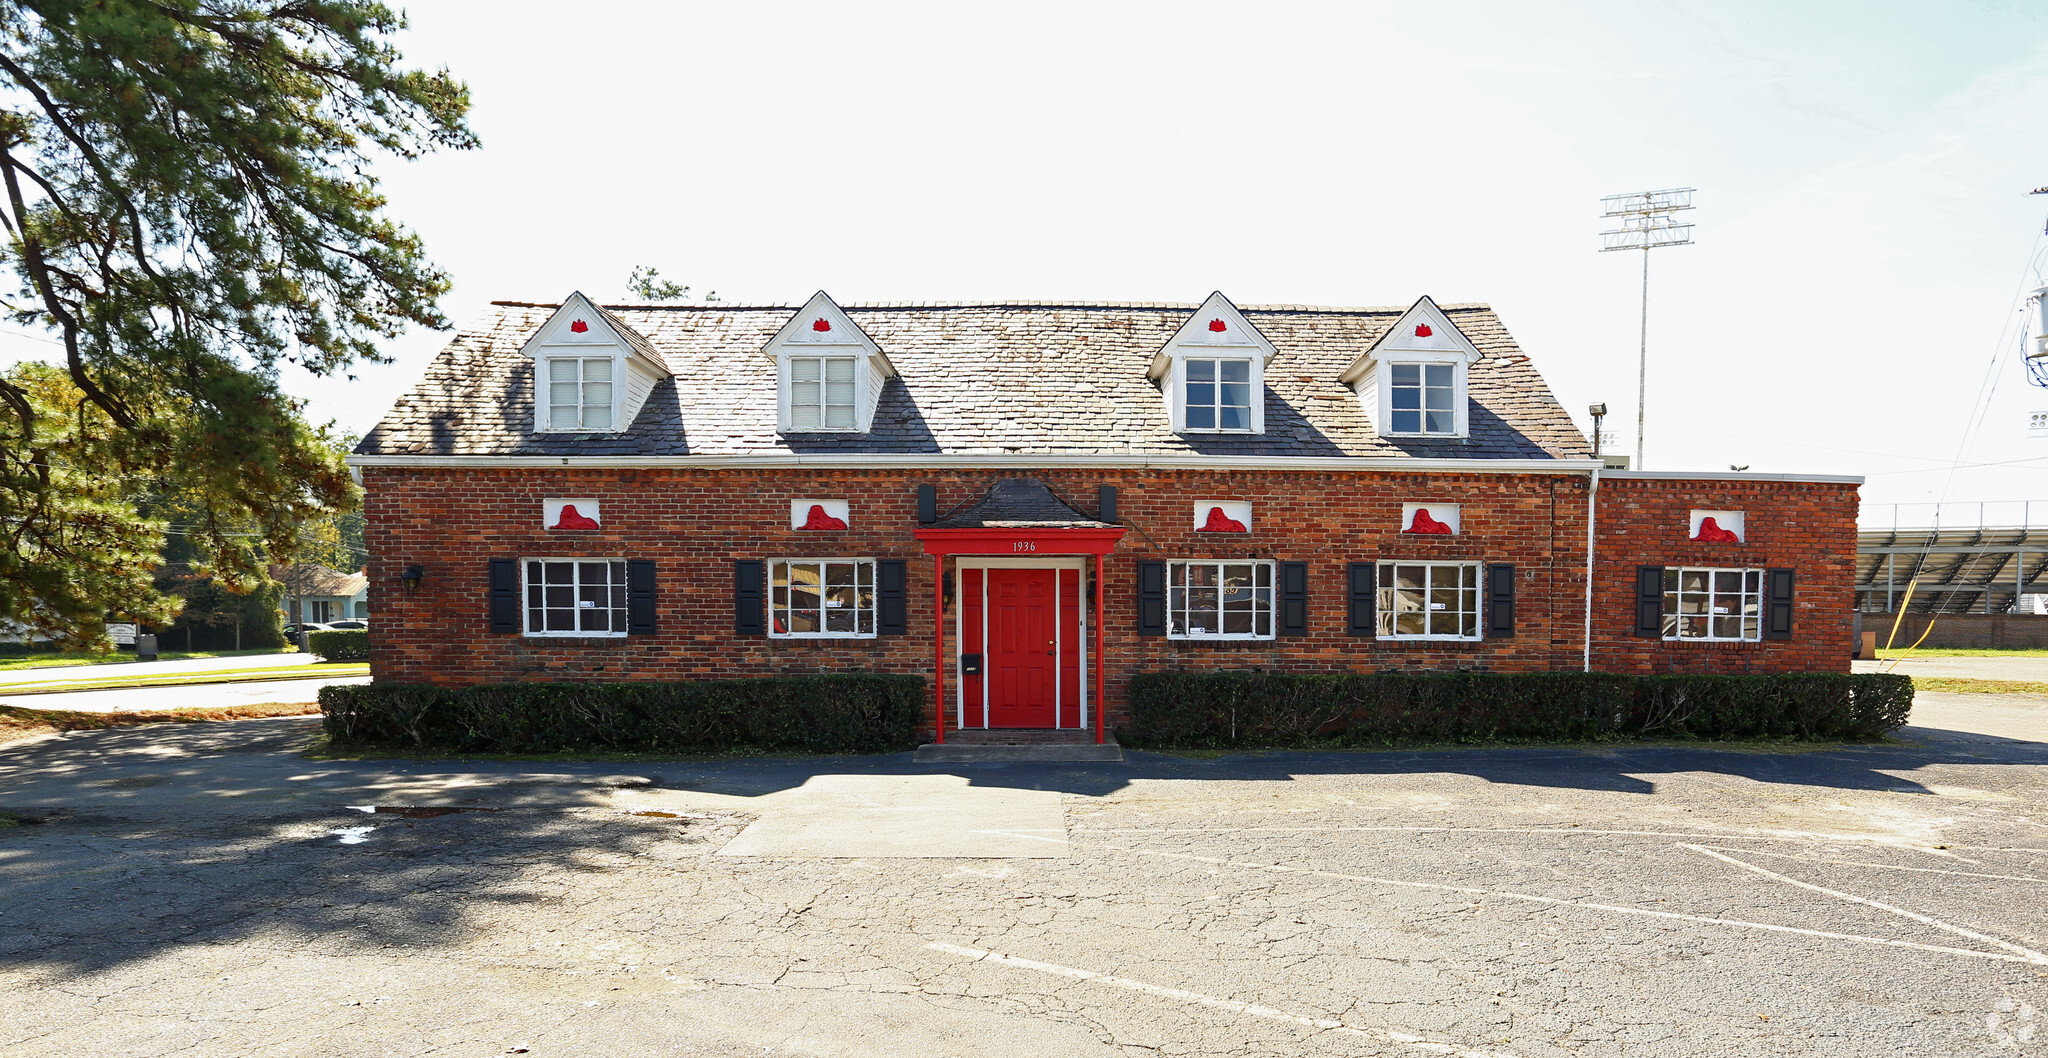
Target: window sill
{"type": "Point", "coordinates": [1220, 639]}
{"type": "Point", "coordinates": [1429, 639]}
{"type": "Point", "coordinates": [1712, 642]}
{"type": "Point", "coordinates": [1233, 433]}
{"type": "Point", "coordinates": [786, 638]}
{"type": "Point", "coordinates": [803, 431]}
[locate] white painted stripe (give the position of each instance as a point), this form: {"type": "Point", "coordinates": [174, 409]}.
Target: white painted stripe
{"type": "Point", "coordinates": [1773, 835]}
{"type": "Point", "coordinates": [1182, 995]}
{"type": "Point", "coordinates": [919, 460]}
{"type": "Point", "coordinates": [1891, 866]}
{"type": "Point", "coordinates": [2031, 954]}
{"type": "Point", "coordinates": [1556, 901]}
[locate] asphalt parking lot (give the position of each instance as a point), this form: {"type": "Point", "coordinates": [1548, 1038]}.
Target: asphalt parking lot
{"type": "Point", "coordinates": [204, 890]}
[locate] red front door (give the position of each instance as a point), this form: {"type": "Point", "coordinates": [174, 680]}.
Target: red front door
{"type": "Point", "coordinates": [1022, 648]}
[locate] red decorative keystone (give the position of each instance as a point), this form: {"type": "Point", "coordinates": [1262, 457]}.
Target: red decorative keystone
{"type": "Point", "coordinates": [1218, 325]}
{"type": "Point", "coordinates": [820, 520]}
{"type": "Point", "coordinates": [571, 519]}
{"type": "Point", "coordinates": [1423, 523]}
{"type": "Point", "coordinates": [1712, 533]}
{"type": "Point", "coordinates": [821, 324]}
{"type": "Point", "coordinates": [1221, 523]}
{"type": "Point", "coordinates": [1422, 330]}
{"type": "Point", "coordinates": [579, 326]}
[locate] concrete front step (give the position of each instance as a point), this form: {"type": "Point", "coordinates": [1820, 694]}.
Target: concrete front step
{"type": "Point", "coordinates": [984, 749]}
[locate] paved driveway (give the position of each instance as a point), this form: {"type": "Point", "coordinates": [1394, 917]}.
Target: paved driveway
{"type": "Point", "coordinates": [178, 667]}
{"type": "Point", "coordinates": [203, 890]}
{"type": "Point", "coordinates": [196, 696]}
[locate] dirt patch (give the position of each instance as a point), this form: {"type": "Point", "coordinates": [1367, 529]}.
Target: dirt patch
{"type": "Point", "coordinates": [19, 723]}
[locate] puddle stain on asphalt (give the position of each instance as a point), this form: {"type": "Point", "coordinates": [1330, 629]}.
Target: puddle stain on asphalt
{"type": "Point", "coordinates": [414, 811]}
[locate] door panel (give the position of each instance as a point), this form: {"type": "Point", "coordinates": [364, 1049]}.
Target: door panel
{"type": "Point", "coordinates": [1021, 659]}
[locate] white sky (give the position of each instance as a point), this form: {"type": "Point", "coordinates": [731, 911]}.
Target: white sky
{"type": "Point", "coordinates": [1863, 233]}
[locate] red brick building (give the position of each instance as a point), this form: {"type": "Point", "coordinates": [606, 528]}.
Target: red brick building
{"type": "Point", "coordinates": [1032, 502]}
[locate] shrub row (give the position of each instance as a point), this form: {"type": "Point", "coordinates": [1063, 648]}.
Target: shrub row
{"type": "Point", "coordinates": [341, 644]}
{"type": "Point", "coordinates": [1188, 710]}
{"type": "Point", "coordinates": [855, 713]}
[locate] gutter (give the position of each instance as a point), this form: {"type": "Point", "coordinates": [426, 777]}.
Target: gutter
{"type": "Point", "coordinates": [920, 460]}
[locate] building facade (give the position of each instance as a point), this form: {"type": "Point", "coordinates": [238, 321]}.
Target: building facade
{"type": "Point", "coordinates": [1031, 503]}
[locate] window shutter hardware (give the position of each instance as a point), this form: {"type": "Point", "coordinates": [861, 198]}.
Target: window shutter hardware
{"type": "Point", "coordinates": [1650, 602]}
{"type": "Point", "coordinates": [640, 597]}
{"type": "Point", "coordinates": [1151, 598]}
{"type": "Point", "coordinates": [749, 597]}
{"type": "Point", "coordinates": [892, 598]}
{"type": "Point", "coordinates": [1293, 616]}
{"type": "Point", "coordinates": [1362, 621]}
{"type": "Point", "coordinates": [504, 595]}
{"type": "Point", "coordinates": [1500, 601]}
{"type": "Point", "coordinates": [1777, 604]}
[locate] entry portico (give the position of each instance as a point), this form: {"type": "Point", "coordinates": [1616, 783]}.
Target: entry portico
{"type": "Point", "coordinates": [1027, 567]}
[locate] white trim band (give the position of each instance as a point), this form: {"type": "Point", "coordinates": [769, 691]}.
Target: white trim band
{"type": "Point", "coordinates": [1680, 475]}
{"type": "Point", "coordinates": [1132, 461]}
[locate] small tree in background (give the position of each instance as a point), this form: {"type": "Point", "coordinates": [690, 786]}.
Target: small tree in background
{"type": "Point", "coordinates": [646, 284]}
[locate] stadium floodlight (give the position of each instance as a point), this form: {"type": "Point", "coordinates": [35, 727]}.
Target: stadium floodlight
{"type": "Point", "coordinates": [1646, 224]}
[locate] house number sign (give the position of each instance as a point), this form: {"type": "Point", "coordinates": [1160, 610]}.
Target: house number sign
{"type": "Point", "coordinates": [1022, 546]}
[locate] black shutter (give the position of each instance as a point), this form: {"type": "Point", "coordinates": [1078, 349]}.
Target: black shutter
{"type": "Point", "coordinates": [1777, 604]}
{"type": "Point", "coordinates": [749, 594]}
{"type": "Point", "coordinates": [640, 597]}
{"type": "Point", "coordinates": [1293, 599]}
{"type": "Point", "coordinates": [927, 504]}
{"type": "Point", "coordinates": [1650, 602]}
{"type": "Point", "coordinates": [1361, 576]}
{"type": "Point", "coordinates": [1151, 598]}
{"type": "Point", "coordinates": [1105, 504]}
{"type": "Point", "coordinates": [892, 599]}
{"type": "Point", "coordinates": [504, 595]}
{"type": "Point", "coordinates": [1500, 602]}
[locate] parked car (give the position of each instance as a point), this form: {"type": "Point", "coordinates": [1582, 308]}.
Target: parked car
{"type": "Point", "coordinates": [353, 622]}
{"type": "Point", "coordinates": [291, 632]}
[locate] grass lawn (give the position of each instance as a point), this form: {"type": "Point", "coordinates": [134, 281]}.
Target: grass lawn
{"type": "Point", "coordinates": [61, 659]}
{"type": "Point", "coordinates": [18, 723]}
{"type": "Point", "coordinates": [1947, 683]}
{"type": "Point", "coordinates": [109, 682]}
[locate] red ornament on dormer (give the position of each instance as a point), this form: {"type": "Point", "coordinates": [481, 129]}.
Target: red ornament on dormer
{"type": "Point", "coordinates": [570, 519]}
{"type": "Point", "coordinates": [820, 520]}
{"type": "Point", "coordinates": [1222, 523]}
{"type": "Point", "coordinates": [578, 326]}
{"type": "Point", "coordinates": [821, 324]}
{"type": "Point", "coordinates": [1218, 326]}
{"type": "Point", "coordinates": [1712, 533]}
{"type": "Point", "coordinates": [1422, 330]}
{"type": "Point", "coordinates": [1423, 523]}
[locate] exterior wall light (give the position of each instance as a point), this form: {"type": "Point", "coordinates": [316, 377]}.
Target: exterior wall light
{"type": "Point", "coordinates": [412, 578]}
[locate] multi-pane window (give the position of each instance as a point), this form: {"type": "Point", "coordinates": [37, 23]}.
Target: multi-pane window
{"type": "Point", "coordinates": [1219, 600]}
{"type": "Point", "coordinates": [1219, 394]}
{"type": "Point", "coordinates": [821, 392]}
{"type": "Point", "coordinates": [1422, 395]}
{"type": "Point", "coordinates": [1429, 600]}
{"type": "Point", "coordinates": [580, 393]}
{"type": "Point", "coordinates": [1725, 604]}
{"type": "Point", "coordinates": [575, 597]}
{"type": "Point", "coordinates": [821, 598]}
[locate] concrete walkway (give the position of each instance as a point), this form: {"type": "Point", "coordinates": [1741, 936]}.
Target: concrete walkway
{"type": "Point", "coordinates": [1974, 668]}
{"type": "Point", "coordinates": [127, 669]}
{"type": "Point", "coordinates": [201, 696]}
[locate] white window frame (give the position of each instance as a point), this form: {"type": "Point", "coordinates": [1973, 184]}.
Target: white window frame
{"type": "Point", "coordinates": [1749, 592]}
{"type": "Point", "coordinates": [546, 393]}
{"type": "Point", "coordinates": [1179, 618]}
{"type": "Point", "coordinates": [1251, 385]}
{"type": "Point", "coordinates": [1383, 382]}
{"type": "Point", "coordinates": [853, 359]}
{"type": "Point", "coordinates": [778, 630]}
{"type": "Point", "coordinates": [616, 589]}
{"type": "Point", "coordinates": [1386, 612]}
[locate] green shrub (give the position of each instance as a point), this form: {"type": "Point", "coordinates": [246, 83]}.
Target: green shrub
{"type": "Point", "coordinates": [1239, 709]}
{"type": "Point", "coordinates": [341, 644]}
{"type": "Point", "coordinates": [854, 713]}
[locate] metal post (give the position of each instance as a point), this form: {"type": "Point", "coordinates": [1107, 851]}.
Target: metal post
{"type": "Point", "coordinates": [1643, 360]}
{"type": "Point", "coordinates": [2019, 579]}
{"type": "Point", "coordinates": [939, 646]}
{"type": "Point", "coordinates": [1100, 706]}
{"type": "Point", "coordinates": [1891, 576]}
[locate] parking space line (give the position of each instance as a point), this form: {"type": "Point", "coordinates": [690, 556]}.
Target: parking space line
{"type": "Point", "coordinates": [1889, 866]}
{"type": "Point", "coordinates": [1556, 901]}
{"type": "Point", "coordinates": [1776, 835]}
{"type": "Point", "coordinates": [2031, 954]}
{"type": "Point", "coordinates": [1234, 1006]}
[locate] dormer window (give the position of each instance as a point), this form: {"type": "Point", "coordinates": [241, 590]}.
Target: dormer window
{"type": "Point", "coordinates": [821, 392]}
{"type": "Point", "coordinates": [579, 392]}
{"type": "Point", "coordinates": [1424, 398]}
{"type": "Point", "coordinates": [1219, 394]}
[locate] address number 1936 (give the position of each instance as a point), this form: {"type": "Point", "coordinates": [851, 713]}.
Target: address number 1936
{"type": "Point", "coordinates": [1022, 546]}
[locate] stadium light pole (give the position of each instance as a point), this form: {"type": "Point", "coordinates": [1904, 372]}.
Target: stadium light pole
{"type": "Point", "coordinates": [1647, 222]}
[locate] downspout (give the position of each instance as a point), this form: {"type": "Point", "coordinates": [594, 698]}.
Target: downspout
{"type": "Point", "coordinates": [1592, 516]}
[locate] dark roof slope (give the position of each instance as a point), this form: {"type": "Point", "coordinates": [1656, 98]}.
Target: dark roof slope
{"type": "Point", "coordinates": [1032, 378]}
{"type": "Point", "coordinates": [1018, 503]}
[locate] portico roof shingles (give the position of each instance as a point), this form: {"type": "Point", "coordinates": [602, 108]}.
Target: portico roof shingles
{"type": "Point", "coordinates": [981, 379]}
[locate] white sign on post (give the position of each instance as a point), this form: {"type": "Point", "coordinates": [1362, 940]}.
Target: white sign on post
{"type": "Point", "coordinates": [122, 634]}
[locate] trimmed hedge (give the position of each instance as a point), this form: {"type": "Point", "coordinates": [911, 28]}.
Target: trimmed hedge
{"type": "Point", "coordinates": [341, 644]}
{"type": "Point", "coordinates": [853, 713]}
{"type": "Point", "coordinates": [1190, 710]}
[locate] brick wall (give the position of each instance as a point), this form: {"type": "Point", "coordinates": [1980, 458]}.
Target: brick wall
{"type": "Point", "coordinates": [694, 523]}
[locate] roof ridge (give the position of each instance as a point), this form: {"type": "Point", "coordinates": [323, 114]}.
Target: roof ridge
{"type": "Point", "coordinates": [897, 306]}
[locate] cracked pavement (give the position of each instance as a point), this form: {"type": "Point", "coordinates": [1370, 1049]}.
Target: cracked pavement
{"type": "Point", "coordinates": [204, 890]}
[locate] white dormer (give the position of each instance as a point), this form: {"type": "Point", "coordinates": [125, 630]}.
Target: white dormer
{"type": "Point", "coordinates": [591, 372]}
{"type": "Point", "coordinates": [828, 372]}
{"type": "Point", "coordinates": [1213, 372]}
{"type": "Point", "coordinates": [1413, 381]}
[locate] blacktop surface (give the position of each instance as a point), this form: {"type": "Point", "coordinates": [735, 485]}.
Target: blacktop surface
{"type": "Point", "coordinates": [207, 889]}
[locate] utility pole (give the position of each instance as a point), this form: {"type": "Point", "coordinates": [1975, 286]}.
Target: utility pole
{"type": "Point", "coordinates": [1646, 224]}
